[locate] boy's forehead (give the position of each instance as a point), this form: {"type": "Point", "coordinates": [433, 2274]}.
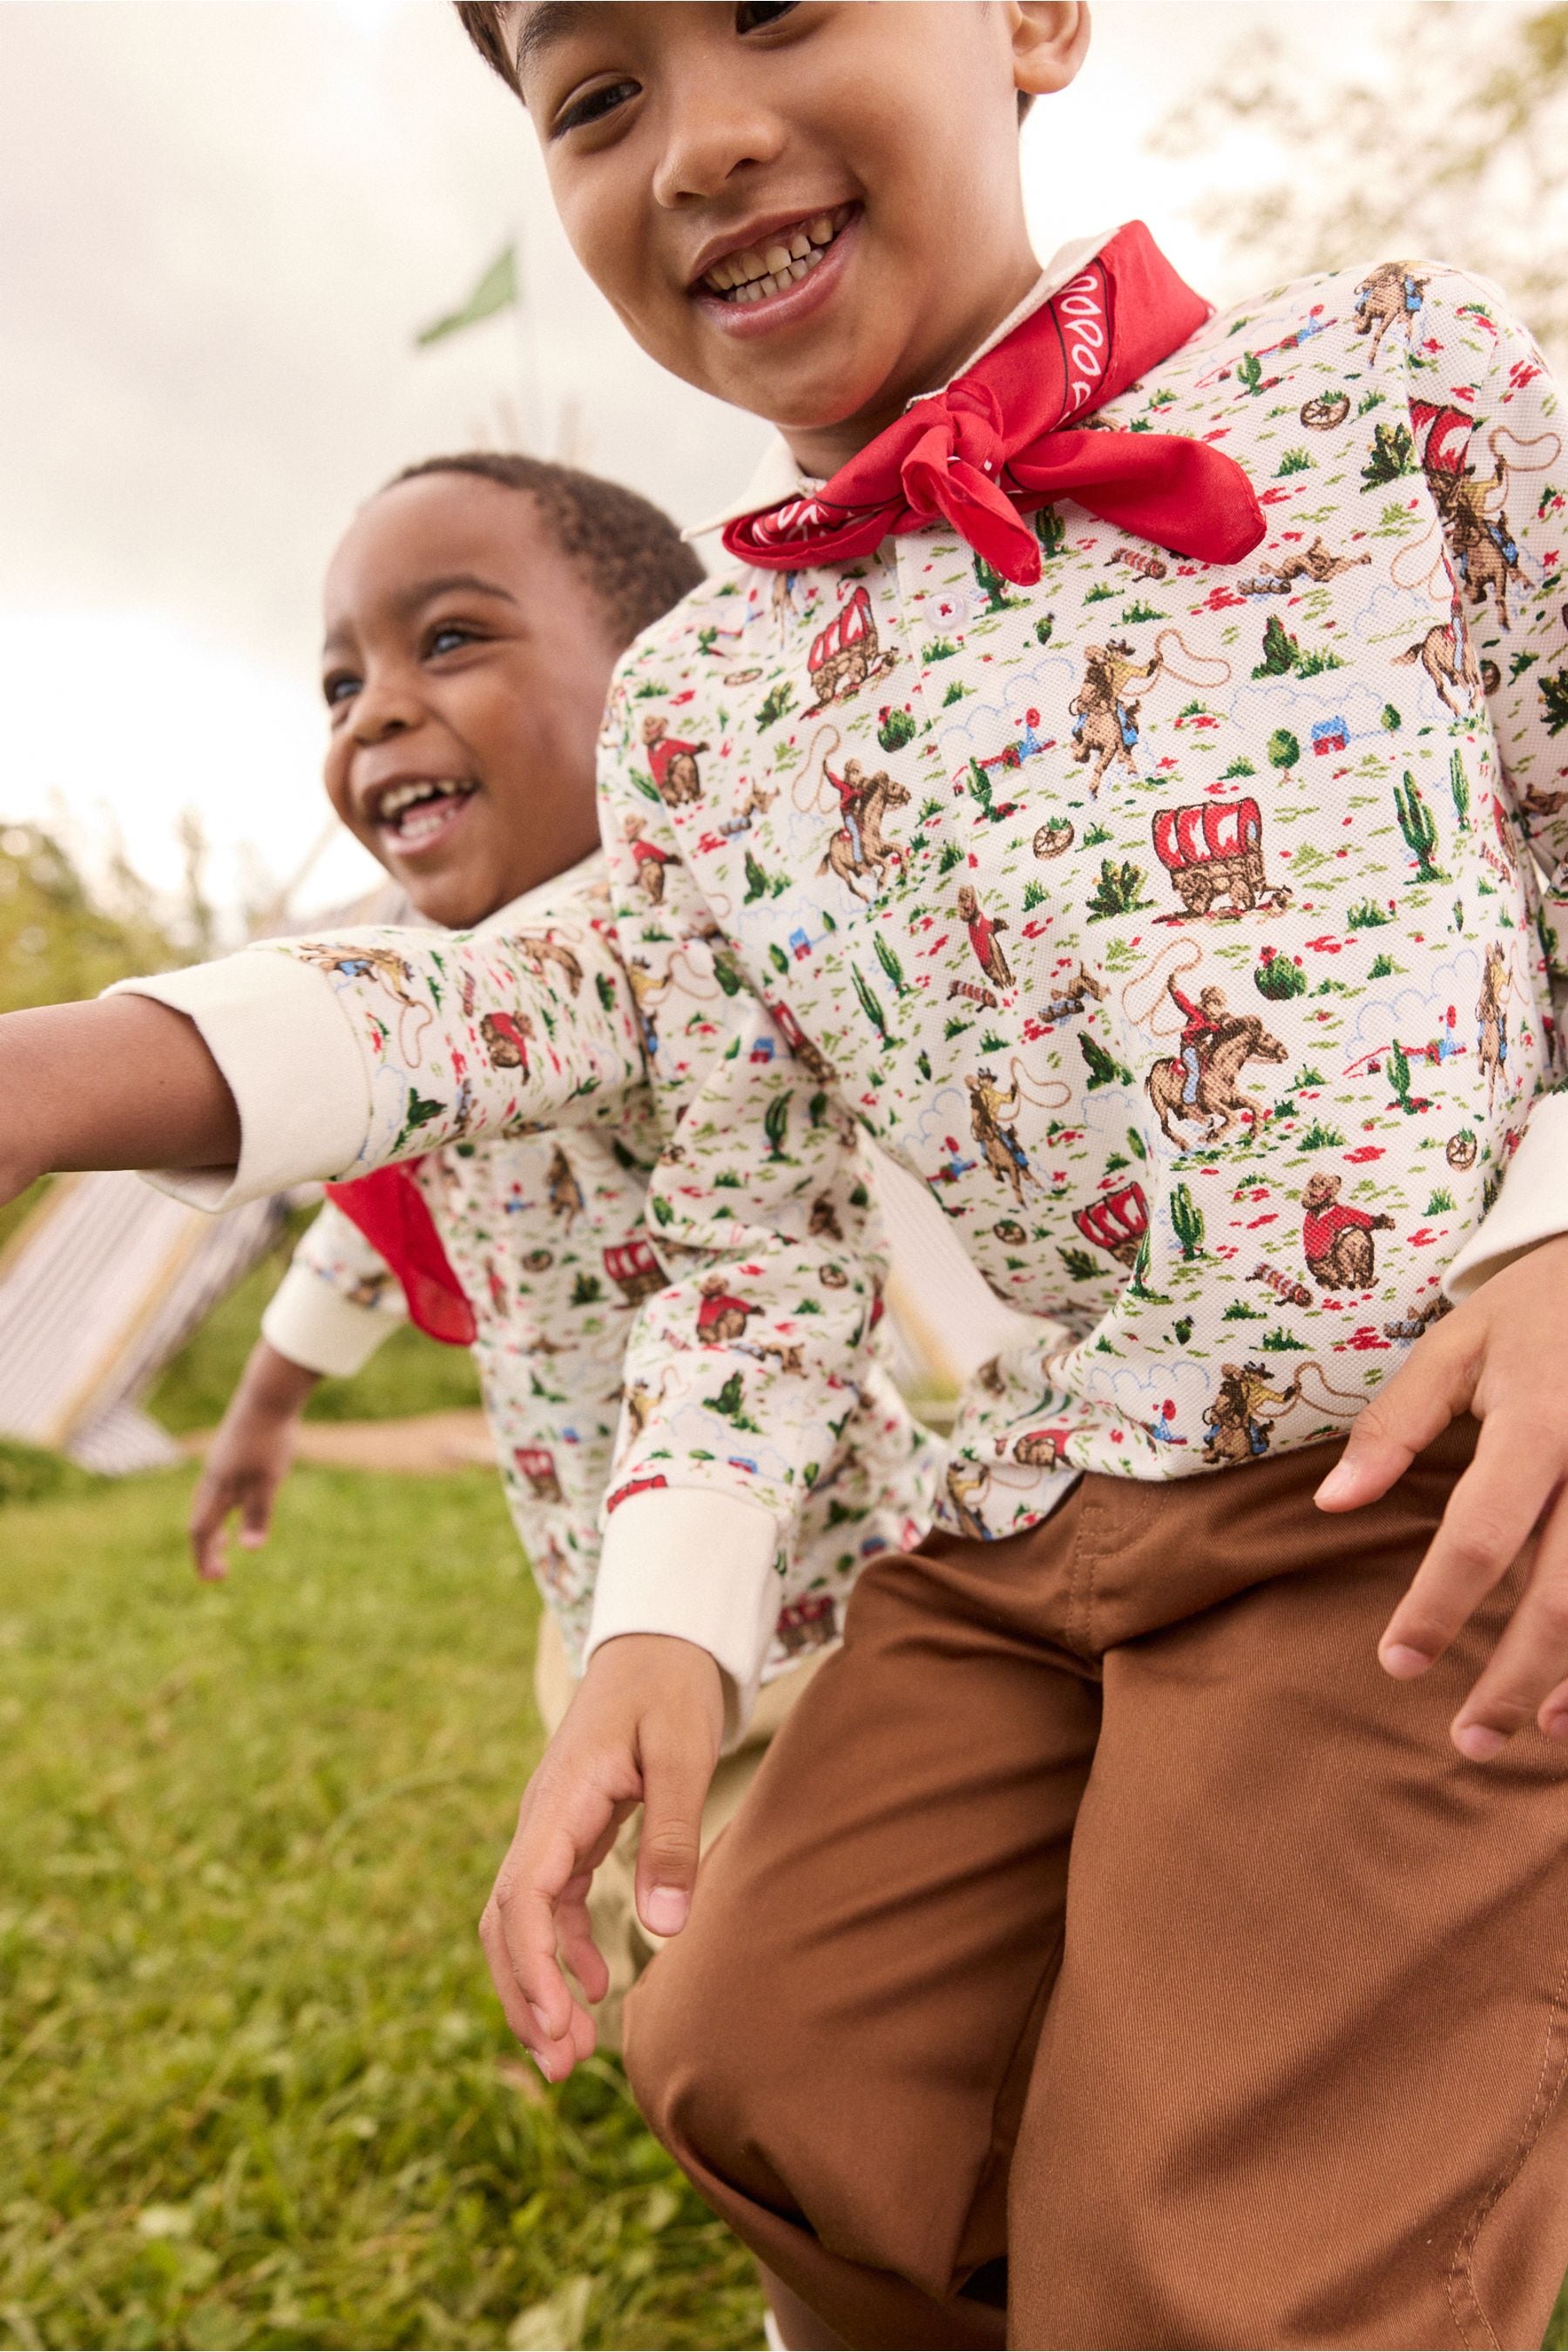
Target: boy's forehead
{"type": "Point", "coordinates": [444, 531]}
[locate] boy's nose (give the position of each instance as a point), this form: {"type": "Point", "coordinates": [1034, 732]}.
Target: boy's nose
{"type": "Point", "coordinates": [712, 133]}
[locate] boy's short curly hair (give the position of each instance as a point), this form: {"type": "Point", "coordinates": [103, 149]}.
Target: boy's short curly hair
{"type": "Point", "coordinates": [628, 551]}
{"type": "Point", "coordinates": [481, 20]}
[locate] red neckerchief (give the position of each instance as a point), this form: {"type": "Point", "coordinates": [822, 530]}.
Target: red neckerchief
{"type": "Point", "coordinates": [995, 444]}
{"type": "Point", "coordinates": [393, 1214]}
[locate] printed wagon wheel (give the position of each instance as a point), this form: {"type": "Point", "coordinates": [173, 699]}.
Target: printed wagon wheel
{"type": "Point", "coordinates": [1194, 889]}
{"type": "Point", "coordinates": [1325, 411]}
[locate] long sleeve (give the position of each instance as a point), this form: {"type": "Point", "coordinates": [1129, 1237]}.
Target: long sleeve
{"type": "Point", "coordinates": [337, 1301]}
{"type": "Point", "coordinates": [349, 1051]}
{"type": "Point", "coordinates": [743, 1367]}
{"type": "Point", "coordinates": [1487, 423]}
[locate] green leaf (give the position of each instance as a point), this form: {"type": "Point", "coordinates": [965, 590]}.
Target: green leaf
{"type": "Point", "coordinates": [496, 290]}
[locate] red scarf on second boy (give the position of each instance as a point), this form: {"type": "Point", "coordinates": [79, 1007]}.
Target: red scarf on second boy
{"type": "Point", "coordinates": [392, 1213]}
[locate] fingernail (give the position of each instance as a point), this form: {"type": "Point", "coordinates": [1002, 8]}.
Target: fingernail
{"type": "Point", "coordinates": [666, 1911]}
{"type": "Point", "coordinates": [1556, 1727]}
{"type": "Point", "coordinates": [538, 2061]}
{"type": "Point", "coordinates": [1337, 1486]}
{"type": "Point", "coordinates": [1478, 1741]}
{"type": "Point", "coordinates": [543, 2023]}
{"type": "Point", "coordinates": [1400, 1661]}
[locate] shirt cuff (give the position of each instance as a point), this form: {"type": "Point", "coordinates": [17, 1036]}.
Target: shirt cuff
{"type": "Point", "coordinates": [1531, 1208]}
{"type": "Point", "coordinates": [277, 1034]}
{"type": "Point", "coordinates": [319, 1329]}
{"type": "Point", "coordinates": [700, 1565]}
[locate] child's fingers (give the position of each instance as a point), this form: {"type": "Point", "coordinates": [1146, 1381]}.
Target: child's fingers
{"type": "Point", "coordinates": [555, 2054]}
{"type": "Point", "coordinates": [574, 1930]}
{"type": "Point", "coordinates": [1434, 1385]}
{"type": "Point", "coordinates": [255, 1518]}
{"type": "Point", "coordinates": [1487, 1522]}
{"type": "Point", "coordinates": [674, 1788]}
{"type": "Point", "coordinates": [208, 1528]}
{"type": "Point", "coordinates": [1527, 1668]}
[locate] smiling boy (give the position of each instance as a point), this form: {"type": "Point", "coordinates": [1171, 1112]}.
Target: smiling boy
{"type": "Point", "coordinates": [1287, 2050]}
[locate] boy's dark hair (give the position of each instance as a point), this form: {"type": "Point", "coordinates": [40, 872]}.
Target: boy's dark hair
{"type": "Point", "coordinates": [482, 21]}
{"type": "Point", "coordinates": [629, 553]}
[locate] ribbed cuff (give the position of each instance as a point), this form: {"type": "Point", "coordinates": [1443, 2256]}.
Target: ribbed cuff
{"type": "Point", "coordinates": [700, 1565]}
{"type": "Point", "coordinates": [1531, 1208]}
{"type": "Point", "coordinates": [293, 1066]}
{"type": "Point", "coordinates": [316, 1328]}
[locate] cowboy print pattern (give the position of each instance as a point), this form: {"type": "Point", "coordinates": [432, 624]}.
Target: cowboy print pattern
{"type": "Point", "coordinates": [511, 1060]}
{"type": "Point", "coordinates": [1187, 929]}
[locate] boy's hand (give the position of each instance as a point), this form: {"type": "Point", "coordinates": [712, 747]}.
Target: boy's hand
{"type": "Point", "coordinates": [644, 1727]}
{"type": "Point", "coordinates": [1503, 1355]}
{"type": "Point", "coordinates": [248, 1459]}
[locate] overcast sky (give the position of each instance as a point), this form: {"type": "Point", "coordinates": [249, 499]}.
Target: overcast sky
{"type": "Point", "coordinates": [221, 223]}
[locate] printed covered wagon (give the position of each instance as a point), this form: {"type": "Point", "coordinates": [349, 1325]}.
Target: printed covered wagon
{"type": "Point", "coordinates": [1215, 850]}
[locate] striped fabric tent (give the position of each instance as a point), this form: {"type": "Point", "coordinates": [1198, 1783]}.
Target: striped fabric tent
{"type": "Point", "coordinates": [99, 1288]}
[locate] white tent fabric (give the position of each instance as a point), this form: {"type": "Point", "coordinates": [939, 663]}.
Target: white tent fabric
{"type": "Point", "coordinates": [102, 1286]}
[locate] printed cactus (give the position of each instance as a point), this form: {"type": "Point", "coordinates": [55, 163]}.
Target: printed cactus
{"type": "Point", "coordinates": [980, 784]}
{"type": "Point", "coordinates": [1393, 454]}
{"type": "Point", "coordinates": [1398, 1067]}
{"type": "Point", "coordinates": [1117, 890]}
{"type": "Point", "coordinates": [869, 1004]}
{"type": "Point", "coordinates": [1459, 785]}
{"type": "Point", "coordinates": [1420, 827]}
{"type": "Point", "coordinates": [756, 880]}
{"type": "Point", "coordinates": [889, 958]}
{"type": "Point", "coordinates": [993, 587]}
{"type": "Point", "coordinates": [774, 705]}
{"type": "Point", "coordinates": [1555, 700]}
{"type": "Point", "coordinates": [775, 1123]}
{"type": "Point", "coordinates": [1051, 532]}
{"type": "Point", "coordinates": [1187, 1219]}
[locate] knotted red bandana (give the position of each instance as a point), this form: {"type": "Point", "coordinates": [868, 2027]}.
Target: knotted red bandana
{"type": "Point", "coordinates": [996, 445]}
{"type": "Point", "coordinates": [393, 1214]}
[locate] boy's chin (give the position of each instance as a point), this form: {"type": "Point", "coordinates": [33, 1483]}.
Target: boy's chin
{"type": "Point", "coordinates": [456, 900]}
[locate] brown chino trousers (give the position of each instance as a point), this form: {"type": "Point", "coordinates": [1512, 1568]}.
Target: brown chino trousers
{"type": "Point", "coordinates": [1104, 1907]}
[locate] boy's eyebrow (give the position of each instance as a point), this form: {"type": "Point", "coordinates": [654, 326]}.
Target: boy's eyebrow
{"type": "Point", "coordinates": [546, 22]}
{"type": "Point", "coordinates": [467, 583]}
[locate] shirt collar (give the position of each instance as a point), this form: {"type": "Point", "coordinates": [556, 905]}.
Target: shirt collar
{"type": "Point", "coordinates": [777, 477]}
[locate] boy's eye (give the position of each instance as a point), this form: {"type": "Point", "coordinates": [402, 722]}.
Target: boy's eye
{"type": "Point", "coordinates": [594, 106]}
{"type": "Point", "coordinates": [339, 688]}
{"type": "Point", "coordinates": [449, 636]}
{"type": "Point", "coordinates": [751, 15]}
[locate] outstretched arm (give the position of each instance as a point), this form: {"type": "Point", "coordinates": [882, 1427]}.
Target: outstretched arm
{"type": "Point", "coordinates": [118, 1083]}
{"type": "Point", "coordinates": [326, 1057]}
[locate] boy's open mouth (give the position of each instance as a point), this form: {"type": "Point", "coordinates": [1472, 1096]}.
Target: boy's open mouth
{"type": "Point", "coordinates": [777, 262]}
{"type": "Point", "coordinates": [415, 815]}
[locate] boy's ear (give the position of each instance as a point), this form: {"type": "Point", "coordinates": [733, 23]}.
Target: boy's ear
{"type": "Point", "coordinates": [1050, 42]}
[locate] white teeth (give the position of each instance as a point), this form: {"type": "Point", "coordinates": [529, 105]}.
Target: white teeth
{"type": "Point", "coordinates": [751, 276]}
{"type": "Point", "coordinates": [392, 804]}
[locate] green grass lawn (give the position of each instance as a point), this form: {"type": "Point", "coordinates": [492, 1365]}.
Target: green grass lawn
{"type": "Point", "coordinates": [254, 2086]}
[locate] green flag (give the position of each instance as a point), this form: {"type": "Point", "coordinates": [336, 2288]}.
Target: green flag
{"type": "Point", "coordinates": [495, 290]}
